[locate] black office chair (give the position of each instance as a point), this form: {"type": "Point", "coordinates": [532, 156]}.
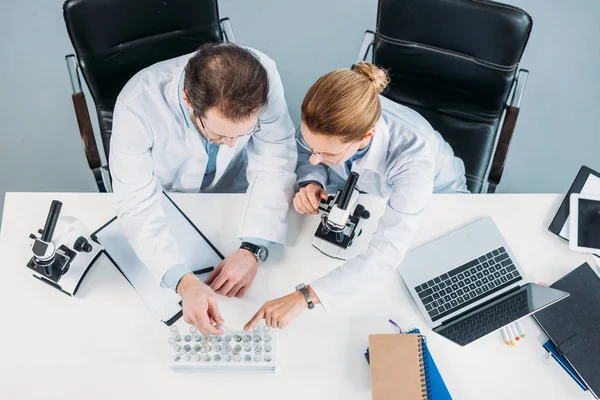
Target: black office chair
{"type": "Point", "coordinates": [455, 62]}
{"type": "Point", "coordinates": [114, 39]}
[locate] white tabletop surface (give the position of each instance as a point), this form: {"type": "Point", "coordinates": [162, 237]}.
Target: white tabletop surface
{"type": "Point", "coordinates": [103, 343]}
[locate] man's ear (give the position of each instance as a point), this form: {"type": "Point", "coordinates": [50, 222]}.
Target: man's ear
{"type": "Point", "coordinates": [186, 99]}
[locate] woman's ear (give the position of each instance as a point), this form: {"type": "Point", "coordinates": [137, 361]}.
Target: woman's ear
{"type": "Point", "coordinates": [369, 133]}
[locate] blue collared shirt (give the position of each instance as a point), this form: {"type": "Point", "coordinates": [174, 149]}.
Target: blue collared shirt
{"type": "Point", "coordinates": [175, 273]}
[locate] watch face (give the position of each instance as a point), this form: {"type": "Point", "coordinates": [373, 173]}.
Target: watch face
{"type": "Point", "coordinates": [262, 253]}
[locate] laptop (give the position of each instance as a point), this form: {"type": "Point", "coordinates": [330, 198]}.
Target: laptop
{"type": "Point", "coordinates": [468, 283]}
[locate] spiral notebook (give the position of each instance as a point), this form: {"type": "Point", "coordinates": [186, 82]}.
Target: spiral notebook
{"type": "Point", "coordinates": [436, 388]}
{"type": "Point", "coordinates": [397, 368]}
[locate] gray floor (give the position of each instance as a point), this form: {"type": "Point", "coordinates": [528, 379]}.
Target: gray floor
{"type": "Point", "coordinates": [39, 143]}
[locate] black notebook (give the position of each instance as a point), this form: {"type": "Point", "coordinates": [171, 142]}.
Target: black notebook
{"type": "Point", "coordinates": [573, 324]}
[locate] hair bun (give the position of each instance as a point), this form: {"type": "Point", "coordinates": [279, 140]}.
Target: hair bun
{"type": "Point", "coordinates": [378, 76]}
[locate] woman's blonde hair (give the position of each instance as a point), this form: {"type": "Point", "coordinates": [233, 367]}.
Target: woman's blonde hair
{"type": "Point", "coordinates": [345, 102]}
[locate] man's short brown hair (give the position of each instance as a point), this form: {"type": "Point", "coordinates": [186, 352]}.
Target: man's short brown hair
{"type": "Point", "coordinates": [228, 77]}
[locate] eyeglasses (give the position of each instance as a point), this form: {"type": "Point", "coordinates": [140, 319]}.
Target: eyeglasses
{"type": "Point", "coordinates": [220, 139]}
{"type": "Point", "coordinates": [320, 156]}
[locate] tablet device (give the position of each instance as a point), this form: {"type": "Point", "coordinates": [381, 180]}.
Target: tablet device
{"type": "Point", "coordinates": [584, 233]}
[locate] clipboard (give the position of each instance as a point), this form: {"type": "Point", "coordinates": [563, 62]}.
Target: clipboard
{"type": "Point", "coordinates": [586, 182]}
{"type": "Point", "coordinates": [200, 254]}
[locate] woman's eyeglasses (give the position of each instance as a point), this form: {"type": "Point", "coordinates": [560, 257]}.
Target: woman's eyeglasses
{"type": "Point", "coordinates": [326, 157]}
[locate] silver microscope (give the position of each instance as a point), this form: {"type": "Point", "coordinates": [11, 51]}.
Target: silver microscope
{"type": "Point", "coordinates": [341, 220]}
{"type": "Point", "coordinates": [64, 251]}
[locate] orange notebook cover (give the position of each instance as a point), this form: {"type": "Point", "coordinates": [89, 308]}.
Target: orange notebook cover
{"type": "Point", "coordinates": [397, 367]}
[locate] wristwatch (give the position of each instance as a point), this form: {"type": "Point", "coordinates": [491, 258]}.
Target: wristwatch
{"type": "Point", "coordinates": [260, 252]}
{"type": "Point", "coordinates": [304, 290]}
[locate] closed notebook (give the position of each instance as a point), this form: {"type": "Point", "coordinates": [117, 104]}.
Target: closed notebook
{"type": "Point", "coordinates": [397, 367]}
{"type": "Point", "coordinates": [573, 324]}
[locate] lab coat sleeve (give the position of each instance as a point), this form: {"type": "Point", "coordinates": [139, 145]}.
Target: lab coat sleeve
{"type": "Point", "coordinates": [271, 173]}
{"type": "Point", "coordinates": [412, 187]}
{"type": "Point", "coordinates": [139, 193]}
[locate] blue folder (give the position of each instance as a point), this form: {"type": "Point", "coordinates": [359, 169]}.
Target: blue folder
{"type": "Point", "coordinates": [551, 348]}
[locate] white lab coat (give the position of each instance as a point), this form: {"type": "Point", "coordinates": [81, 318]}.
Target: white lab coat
{"type": "Point", "coordinates": [152, 149]}
{"type": "Point", "coordinates": [406, 162]}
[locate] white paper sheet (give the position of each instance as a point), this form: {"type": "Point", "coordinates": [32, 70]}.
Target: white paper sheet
{"type": "Point", "coordinates": [591, 186]}
{"type": "Point", "coordinates": [198, 254]}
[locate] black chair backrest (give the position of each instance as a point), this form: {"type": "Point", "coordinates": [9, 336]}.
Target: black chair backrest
{"type": "Point", "coordinates": [453, 61]}
{"type": "Point", "coordinates": [114, 39]}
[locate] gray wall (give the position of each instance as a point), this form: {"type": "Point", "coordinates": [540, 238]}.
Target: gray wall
{"type": "Point", "coordinates": [556, 133]}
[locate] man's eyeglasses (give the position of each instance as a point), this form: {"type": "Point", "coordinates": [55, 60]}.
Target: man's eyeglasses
{"type": "Point", "coordinates": [220, 139]}
{"type": "Point", "coordinates": [326, 157]}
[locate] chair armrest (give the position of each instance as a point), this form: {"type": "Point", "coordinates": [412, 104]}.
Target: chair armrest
{"type": "Point", "coordinates": [365, 46]}
{"type": "Point", "coordinates": [506, 133]}
{"type": "Point", "coordinates": [227, 30]}
{"type": "Point", "coordinates": [84, 123]}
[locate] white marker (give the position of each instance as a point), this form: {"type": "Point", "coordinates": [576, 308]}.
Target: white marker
{"type": "Point", "coordinates": [511, 335]}
{"type": "Point", "coordinates": [505, 336]}
{"type": "Point", "coordinates": [520, 329]}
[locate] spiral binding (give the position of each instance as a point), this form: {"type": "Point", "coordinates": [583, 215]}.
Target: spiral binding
{"type": "Point", "coordinates": [423, 365]}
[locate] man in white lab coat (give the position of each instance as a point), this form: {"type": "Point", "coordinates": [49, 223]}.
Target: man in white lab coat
{"type": "Point", "coordinates": [213, 121]}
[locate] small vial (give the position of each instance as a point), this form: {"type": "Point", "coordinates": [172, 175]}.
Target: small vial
{"type": "Point", "coordinates": [226, 358]}
{"type": "Point", "coordinates": [237, 338]}
{"type": "Point", "coordinates": [256, 329]}
{"type": "Point", "coordinates": [266, 329]}
{"type": "Point", "coordinates": [257, 338]}
{"type": "Point", "coordinates": [187, 338]}
{"type": "Point", "coordinates": [203, 340]}
{"type": "Point", "coordinates": [247, 347]}
{"type": "Point", "coordinates": [227, 338]}
{"type": "Point", "coordinates": [258, 351]}
{"type": "Point", "coordinates": [267, 338]}
{"type": "Point", "coordinates": [247, 338]}
{"type": "Point", "coordinates": [174, 343]}
{"type": "Point", "coordinates": [257, 357]}
{"type": "Point", "coordinates": [177, 358]}
{"type": "Point", "coordinates": [175, 333]}
{"type": "Point", "coordinates": [181, 351]}
{"type": "Point", "coordinates": [187, 347]}
{"type": "Point", "coordinates": [215, 339]}
{"type": "Point", "coordinates": [237, 348]}
{"type": "Point", "coordinates": [217, 358]}
{"type": "Point", "coordinates": [267, 349]}
{"type": "Point", "coordinates": [196, 358]}
{"type": "Point", "coordinates": [187, 357]}
{"type": "Point", "coordinates": [237, 358]}
{"type": "Point", "coordinates": [195, 334]}
{"type": "Point", "coordinates": [216, 348]}
{"type": "Point", "coordinates": [203, 350]}
{"type": "Point", "coordinates": [247, 358]}
{"type": "Point", "coordinates": [224, 351]}
{"type": "Point", "coordinates": [192, 352]}
{"type": "Point", "coordinates": [267, 358]}
{"type": "Point", "coordinates": [208, 347]}
{"type": "Point", "coordinates": [197, 348]}
{"type": "Point", "coordinates": [206, 357]}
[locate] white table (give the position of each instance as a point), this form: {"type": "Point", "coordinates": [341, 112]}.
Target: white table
{"type": "Point", "coordinates": [104, 343]}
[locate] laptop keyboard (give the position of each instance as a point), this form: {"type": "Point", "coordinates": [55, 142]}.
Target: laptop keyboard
{"type": "Point", "coordinates": [468, 283]}
{"type": "Point", "coordinates": [488, 320]}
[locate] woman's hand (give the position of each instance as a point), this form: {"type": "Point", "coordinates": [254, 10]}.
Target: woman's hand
{"type": "Point", "coordinates": [307, 199]}
{"type": "Point", "coordinates": [280, 312]}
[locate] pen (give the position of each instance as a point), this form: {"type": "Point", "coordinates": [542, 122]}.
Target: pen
{"type": "Point", "coordinates": [520, 329]}
{"type": "Point", "coordinates": [515, 332]}
{"type": "Point", "coordinates": [511, 335]}
{"type": "Point", "coordinates": [395, 324]}
{"type": "Point", "coordinates": [505, 336]}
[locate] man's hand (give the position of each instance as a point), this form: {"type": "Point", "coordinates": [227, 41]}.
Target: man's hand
{"type": "Point", "coordinates": [307, 199]}
{"type": "Point", "coordinates": [199, 305]}
{"type": "Point", "coordinates": [279, 312]}
{"type": "Point", "coordinates": [234, 275]}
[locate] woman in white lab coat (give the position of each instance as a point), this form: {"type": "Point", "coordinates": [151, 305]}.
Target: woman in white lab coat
{"type": "Point", "coordinates": [347, 126]}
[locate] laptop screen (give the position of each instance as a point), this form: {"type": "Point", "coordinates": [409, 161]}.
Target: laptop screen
{"type": "Point", "coordinates": [505, 309]}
